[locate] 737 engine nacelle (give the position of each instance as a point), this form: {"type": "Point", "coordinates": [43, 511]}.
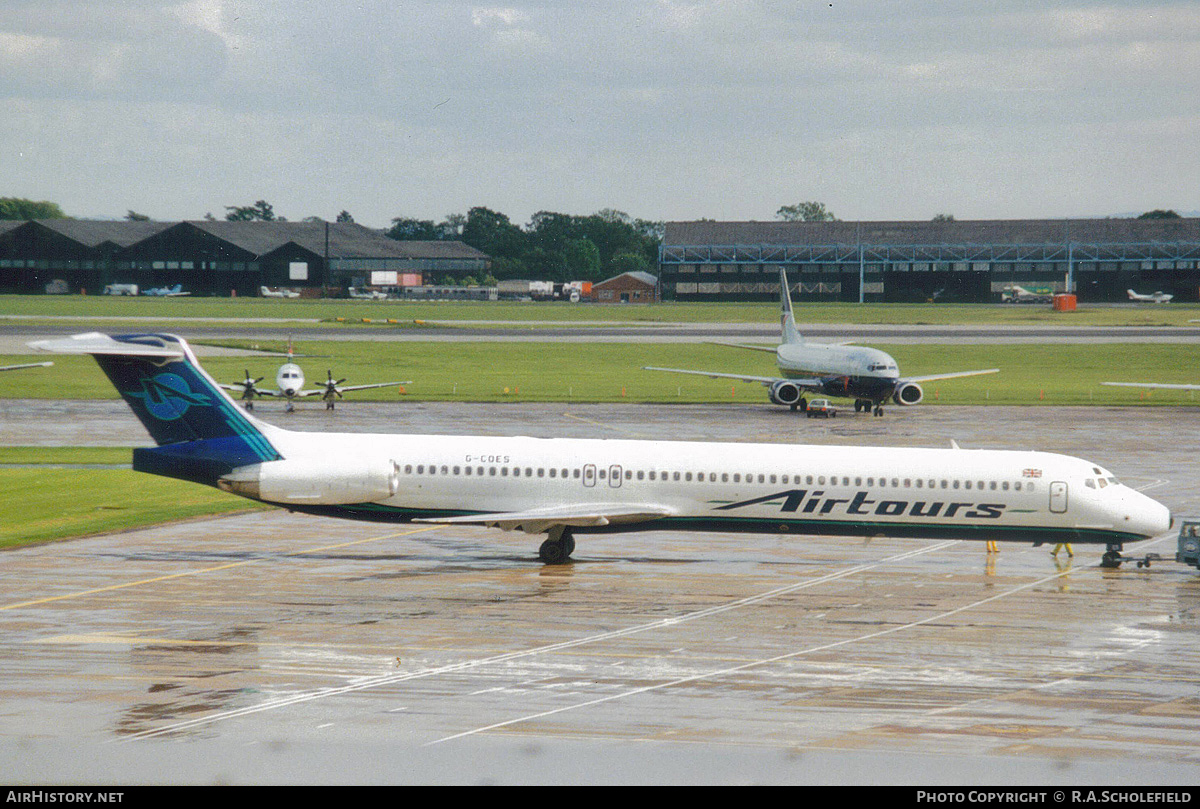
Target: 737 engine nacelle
{"type": "Point", "coordinates": [784, 392]}
{"type": "Point", "coordinates": [909, 393]}
{"type": "Point", "coordinates": [317, 483]}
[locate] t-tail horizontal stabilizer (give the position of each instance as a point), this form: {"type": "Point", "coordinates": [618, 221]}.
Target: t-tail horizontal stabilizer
{"type": "Point", "coordinates": [201, 433]}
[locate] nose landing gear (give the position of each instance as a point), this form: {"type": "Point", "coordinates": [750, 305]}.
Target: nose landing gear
{"type": "Point", "coordinates": [1113, 558]}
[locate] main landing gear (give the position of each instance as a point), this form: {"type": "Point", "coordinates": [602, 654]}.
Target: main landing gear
{"type": "Point", "coordinates": [800, 404]}
{"type": "Point", "coordinates": [863, 405]}
{"type": "Point", "coordinates": [558, 548]}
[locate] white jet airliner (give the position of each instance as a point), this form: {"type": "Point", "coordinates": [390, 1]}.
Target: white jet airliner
{"type": "Point", "coordinates": [867, 375]}
{"type": "Point", "coordinates": [562, 486]}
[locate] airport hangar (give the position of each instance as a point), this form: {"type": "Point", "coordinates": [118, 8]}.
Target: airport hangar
{"type": "Point", "coordinates": [220, 257]}
{"type": "Point", "coordinates": [961, 261]}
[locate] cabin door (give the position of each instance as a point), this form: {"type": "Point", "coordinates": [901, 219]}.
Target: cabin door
{"type": "Point", "coordinates": [614, 476]}
{"type": "Point", "coordinates": [1058, 497]}
{"type": "Point", "coordinates": [589, 475]}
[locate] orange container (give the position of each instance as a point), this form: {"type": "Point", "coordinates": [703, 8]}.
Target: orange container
{"type": "Point", "coordinates": [1064, 303]}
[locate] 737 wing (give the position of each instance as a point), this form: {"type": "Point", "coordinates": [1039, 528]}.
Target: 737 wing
{"type": "Point", "coordinates": [934, 377]}
{"type": "Point", "coordinates": [1163, 385]}
{"type": "Point", "coordinates": [811, 383]}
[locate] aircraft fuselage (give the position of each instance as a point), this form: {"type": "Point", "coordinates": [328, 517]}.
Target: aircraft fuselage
{"type": "Point", "coordinates": [771, 488]}
{"type": "Point", "coordinates": [851, 371]}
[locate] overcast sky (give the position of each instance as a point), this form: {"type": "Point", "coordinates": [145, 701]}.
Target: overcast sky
{"type": "Point", "coordinates": [665, 109]}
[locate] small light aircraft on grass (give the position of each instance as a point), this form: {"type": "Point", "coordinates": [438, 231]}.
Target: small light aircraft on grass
{"type": "Point", "coordinates": [867, 375]}
{"type": "Point", "coordinates": [1153, 297]}
{"type": "Point", "coordinates": [289, 385]}
{"type": "Point", "coordinates": [367, 294]}
{"type": "Point", "coordinates": [167, 292]}
{"type": "Point", "coordinates": [562, 486]}
{"type": "Point", "coordinates": [267, 292]}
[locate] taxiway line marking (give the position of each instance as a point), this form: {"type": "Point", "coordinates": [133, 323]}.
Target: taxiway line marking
{"type": "Point", "coordinates": [746, 666]}
{"type": "Point", "coordinates": [141, 582]}
{"type": "Point", "coordinates": [391, 679]}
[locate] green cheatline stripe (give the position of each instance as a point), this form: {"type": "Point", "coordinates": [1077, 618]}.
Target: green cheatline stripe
{"type": "Point", "coordinates": [843, 527]}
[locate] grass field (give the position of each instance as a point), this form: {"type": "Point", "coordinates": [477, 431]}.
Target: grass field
{"type": "Point", "coordinates": [84, 307]}
{"type": "Point", "coordinates": [46, 500]}
{"type": "Point", "coordinates": [1030, 374]}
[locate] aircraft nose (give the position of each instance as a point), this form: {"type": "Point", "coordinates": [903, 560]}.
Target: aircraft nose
{"type": "Point", "coordinates": [1147, 517]}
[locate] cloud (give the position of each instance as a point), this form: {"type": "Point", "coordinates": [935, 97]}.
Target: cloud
{"type": "Point", "coordinates": [662, 108]}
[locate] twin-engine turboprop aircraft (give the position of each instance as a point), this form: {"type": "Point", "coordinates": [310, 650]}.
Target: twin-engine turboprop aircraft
{"type": "Point", "coordinates": [561, 487]}
{"type": "Point", "coordinates": [289, 385]}
{"type": "Point", "coordinates": [867, 375]}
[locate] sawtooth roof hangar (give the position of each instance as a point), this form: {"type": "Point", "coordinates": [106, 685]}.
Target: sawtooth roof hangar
{"type": "Point", "coordinates": [972, 261]}
{"type": "Point", "coordinates": [216, 257]}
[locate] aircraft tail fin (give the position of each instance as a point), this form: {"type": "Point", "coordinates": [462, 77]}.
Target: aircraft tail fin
{"type": "Point", "coordinates": [201, 433]}
{"type": "Point", "coordinates": [787, 320]}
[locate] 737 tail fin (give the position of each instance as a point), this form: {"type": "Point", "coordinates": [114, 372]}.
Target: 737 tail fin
{"type": "Point", "coordinates": [787, 321]}
{"type": "Point", "coordinates": [201, 433]}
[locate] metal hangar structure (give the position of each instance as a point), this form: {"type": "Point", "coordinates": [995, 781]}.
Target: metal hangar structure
{"type": "Point", "coordinates": [967, 261]}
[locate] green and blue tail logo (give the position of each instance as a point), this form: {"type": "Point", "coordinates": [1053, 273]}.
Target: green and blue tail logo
{"type": "Point", "coordinates": [200, 432]}
{"type": "Point", "coordinates": [168, 396]}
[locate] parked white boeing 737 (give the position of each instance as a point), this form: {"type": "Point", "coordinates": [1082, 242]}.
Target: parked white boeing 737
{"type": "Point", "coordinates": [867, 375]}
{"type": "Point", "coordinates": [564, 486]}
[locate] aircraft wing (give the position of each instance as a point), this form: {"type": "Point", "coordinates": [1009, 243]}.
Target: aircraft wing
{"type": "Point", "coordinates": [1151, 385]}
{"type": "Point", "coordinates": [257, 391]}
{"type": "Point", "coordinates": [539, 520]}
{"type": "Point", "coordinates": [813, 383]}
{"type": "Point", "coordinates": [933, 377]}
{"type": "Point", "coordinates": [745, 345]}
{"type": "Point", "coordinates": [25, 365]}
{"type": "Point", "coordinates": [344, 388]}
